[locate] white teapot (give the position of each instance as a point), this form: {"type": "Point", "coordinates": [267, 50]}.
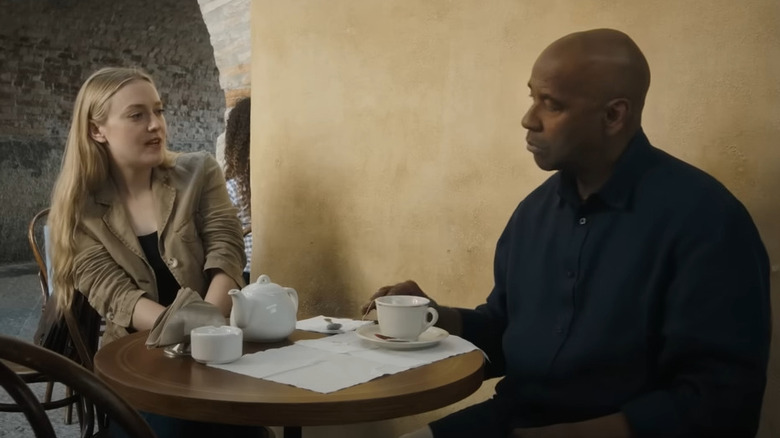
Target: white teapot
{"type": "Point", "coordinates": [265, 311]}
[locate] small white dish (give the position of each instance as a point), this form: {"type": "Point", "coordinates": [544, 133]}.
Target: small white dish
{"type": "Point", "coordinates": [217, 345]}
{"type": "Point", "coordinates": [428, 338]}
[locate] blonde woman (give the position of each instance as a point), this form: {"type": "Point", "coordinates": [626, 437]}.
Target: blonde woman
{"type": "Point", "coordinates": [131, 222]}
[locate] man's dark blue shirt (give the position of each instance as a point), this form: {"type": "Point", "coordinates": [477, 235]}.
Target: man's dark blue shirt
{"type": "Point", "coordinates": [651, 297]}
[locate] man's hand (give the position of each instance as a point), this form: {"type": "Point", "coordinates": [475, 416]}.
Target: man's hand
{"type": "Point", "coordinates": [408, 287]}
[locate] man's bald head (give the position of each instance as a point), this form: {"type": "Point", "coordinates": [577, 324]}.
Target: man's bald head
{"type": "Point", "coordinates": [588, 91]}
{"type": "Point", "coordinates": [604, 63]}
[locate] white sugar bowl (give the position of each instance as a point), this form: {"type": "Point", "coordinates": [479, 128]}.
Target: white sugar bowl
{"type": "Point", "coordinates": [210, 344]}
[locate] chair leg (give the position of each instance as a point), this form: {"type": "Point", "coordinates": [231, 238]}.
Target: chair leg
{"type": "Point", "coordinates": [69, 408]}
{"type": "Point", "coordinates": [80, 412]}
{"type": "Point", "coordinates": [49, 390]}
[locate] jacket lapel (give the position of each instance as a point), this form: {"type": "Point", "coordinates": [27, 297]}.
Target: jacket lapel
{"type": "Point", "coordinates": [115, 218]}
{"type": "Point", "coordinates": [164, 196]}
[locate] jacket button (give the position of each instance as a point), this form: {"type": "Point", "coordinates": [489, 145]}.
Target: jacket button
{"type": "Point", "coordinates": [172, 262]}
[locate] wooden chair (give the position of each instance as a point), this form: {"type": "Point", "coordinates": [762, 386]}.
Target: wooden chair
{"type": "Point", "coordinates": [35, 237]}
{"type": "Point", "coordinates": [79, 342]}
{"type": "Point", "coordinates": [77, 336]}
{"type": "Point", "coordinates": [30, 376]}
{"type": "Point", "coordinates": [61, 369]}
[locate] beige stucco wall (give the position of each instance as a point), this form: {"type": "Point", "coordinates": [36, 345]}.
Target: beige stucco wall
{"type": "Point", "coordinates": [387, 142]}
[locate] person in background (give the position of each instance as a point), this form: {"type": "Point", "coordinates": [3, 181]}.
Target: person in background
{"type": "Point", "coordinates": [237, 148]}
{"type": "Point", "coordinates": [631, 290]}
{"type": "Point", "coordinates": [134, 226]}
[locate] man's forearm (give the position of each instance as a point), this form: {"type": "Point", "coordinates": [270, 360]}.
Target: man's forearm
{"type": "Point", "coordinates": [610, 426]}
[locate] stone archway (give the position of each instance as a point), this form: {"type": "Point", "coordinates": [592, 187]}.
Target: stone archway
{"type": "Point", "coordinates": [228, 23]}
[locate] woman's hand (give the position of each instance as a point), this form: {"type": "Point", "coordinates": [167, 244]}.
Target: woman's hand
{"type": "Point", "coordinates": [408, 287]}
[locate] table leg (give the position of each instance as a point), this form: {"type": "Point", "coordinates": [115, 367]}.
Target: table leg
{"type": "Point", "coordinates": [293, 432]}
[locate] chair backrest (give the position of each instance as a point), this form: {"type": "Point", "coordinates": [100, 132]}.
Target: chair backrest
{"type": "Point", "coordinates": [77, 335]}
{"type": "Point", "coordinates": [74, 332]}
{"type": "Point", "coordinates": [37, 238]}
{"type": "Point", "coordinates": [61, 369]}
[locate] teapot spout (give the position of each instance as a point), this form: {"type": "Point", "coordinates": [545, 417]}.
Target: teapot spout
{"type": "Point", "coordinates": [238, 315]}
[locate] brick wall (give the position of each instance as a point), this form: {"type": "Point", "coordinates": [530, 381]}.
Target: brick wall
{"type": "Point", "coordinates": [47, 49]}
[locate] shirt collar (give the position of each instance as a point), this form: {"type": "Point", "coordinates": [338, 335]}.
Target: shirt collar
{"type": "Point", "coordinates": [619, 188]}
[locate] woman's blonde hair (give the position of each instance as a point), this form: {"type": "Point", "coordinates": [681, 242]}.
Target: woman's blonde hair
{"type": "Point", "coordinates": [84, 169]}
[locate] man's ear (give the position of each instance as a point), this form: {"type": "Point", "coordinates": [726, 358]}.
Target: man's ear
{"type": "Point", "coordinates": [96, 134]}
{"type": "Point", "coordinates": [617, 114]}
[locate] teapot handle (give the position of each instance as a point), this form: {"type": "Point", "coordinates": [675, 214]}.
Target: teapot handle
{"type": "Point", "coordinates": [293, 296]}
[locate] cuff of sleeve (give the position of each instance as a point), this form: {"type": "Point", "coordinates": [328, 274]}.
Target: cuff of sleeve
{"type": "Point", "coordinates": [120, 312]}
{"type": "Point", "coordinates": [232, 269]}
{"type": "Point", "coordinates": [654, 414]}
{"type": "Point", "coordinates": [470, 319]}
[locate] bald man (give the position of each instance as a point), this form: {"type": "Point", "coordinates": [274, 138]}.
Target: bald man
{"type": "Point", "coordinates": [631, 290]}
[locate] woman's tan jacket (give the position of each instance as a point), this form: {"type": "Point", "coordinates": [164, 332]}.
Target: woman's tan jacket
{"type": "Point", "coordinates": [198, 231]}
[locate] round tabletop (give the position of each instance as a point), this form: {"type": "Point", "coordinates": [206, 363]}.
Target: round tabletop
{"type": "Point", "coordinates": [183, 388]}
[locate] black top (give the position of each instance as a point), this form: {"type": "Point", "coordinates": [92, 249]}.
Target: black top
{"type": "Point", "coordinates": [651, 298]}
{"type": "Point", "coordinates": [167, 286]}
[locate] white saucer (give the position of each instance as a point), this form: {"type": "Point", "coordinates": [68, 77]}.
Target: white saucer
{"type": "Point", "coordinates": [428, 338]}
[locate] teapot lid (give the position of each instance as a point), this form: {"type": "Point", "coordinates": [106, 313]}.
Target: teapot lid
{"type": "Point", "coordinates": [263, 283]}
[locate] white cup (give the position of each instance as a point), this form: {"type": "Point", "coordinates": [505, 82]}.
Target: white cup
{"type": "Point", "coordinates": [210, 344]}
{"type": "Point", "coordinates": [404, 316]}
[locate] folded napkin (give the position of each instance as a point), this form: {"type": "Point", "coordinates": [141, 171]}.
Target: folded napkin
{"type": "Point", "coordinates": [318, 324]}
{"type": "Point", "coordinates": [186, 312]}
{"type": "Point", "coordinates": [335, 362]}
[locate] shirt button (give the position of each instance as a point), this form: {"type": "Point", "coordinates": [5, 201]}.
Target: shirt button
{"type": "Point", "coordinates": [172, 262]}
{"type": "Point", "coordinates": [583, 221]}
{"type": "Point", "coordinates": [558, 330]}
{"type": "Point", "coordinates": [570, 274]}
{"type": "Point", "coordinates": [110, 315]}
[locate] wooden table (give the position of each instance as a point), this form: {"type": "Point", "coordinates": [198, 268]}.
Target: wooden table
{"type": "Point", "coordinates": [183, 388]}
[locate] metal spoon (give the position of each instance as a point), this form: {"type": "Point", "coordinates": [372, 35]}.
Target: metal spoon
{"type": "Point", "coordinates": [390, 338]}
{"type": "Point", "coordinates": [177, 350]}
{"type": "Point", "coordinates": [332, 325]}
